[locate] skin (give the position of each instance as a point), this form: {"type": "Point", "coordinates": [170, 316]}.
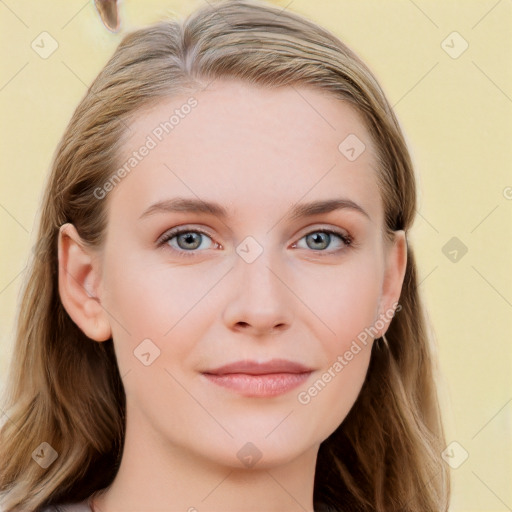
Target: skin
{"type": "Point", "coordinates": [257, 152]}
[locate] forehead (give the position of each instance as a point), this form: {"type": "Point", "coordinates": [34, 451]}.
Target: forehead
{"type": "Point", "coordinates": [244, 145]}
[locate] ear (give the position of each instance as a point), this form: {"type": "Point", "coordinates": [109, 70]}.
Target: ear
{"type": "Point", "coordinates": [396, 263]}
{"type": "Point", "coordinates": [79, 284]}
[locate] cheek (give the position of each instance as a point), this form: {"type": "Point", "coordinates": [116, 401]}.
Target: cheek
{"type": "Point", "coordinates": [334, 390]}
{"type": "Point", "coordinates": [158, 303]}
{"type": "Point", "coordinates": [345, 298]}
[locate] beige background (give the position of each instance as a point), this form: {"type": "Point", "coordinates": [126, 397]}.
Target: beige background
{"type": "Point", "coordinates": [456, 110]}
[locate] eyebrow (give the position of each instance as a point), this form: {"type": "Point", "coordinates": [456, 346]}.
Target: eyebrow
{"type": "Point", "coordinates": [299, 211]}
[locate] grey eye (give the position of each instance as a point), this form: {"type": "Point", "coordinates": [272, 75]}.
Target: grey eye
{"type": "Point", "coordinates": [322, 240]}
{"type": "Point", "coordinates": [318, 240]}
{"type": "Point", "coordinates": [189, 240]}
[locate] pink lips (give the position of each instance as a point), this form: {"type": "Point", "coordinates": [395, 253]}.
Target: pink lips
{"type": "Point", "coordinates": [250, 378]}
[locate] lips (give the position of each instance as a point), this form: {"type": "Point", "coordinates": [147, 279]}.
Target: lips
{"type": "Point", "coordinates": [259, 379]}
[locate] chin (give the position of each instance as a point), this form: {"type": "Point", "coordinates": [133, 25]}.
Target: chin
{"type": "Point", "coordinates": [253, 451]}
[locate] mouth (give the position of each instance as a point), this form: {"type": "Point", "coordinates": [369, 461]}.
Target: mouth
{"type": "Point", "coordinates": [255, 379]}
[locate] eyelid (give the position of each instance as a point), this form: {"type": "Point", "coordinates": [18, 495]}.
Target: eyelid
{"type": "Point", "coordinates": [346, 238]}
{"type": "Point", "coordinates": [315, 228]}
{"type": "Point", "coordinates": [178, 230]}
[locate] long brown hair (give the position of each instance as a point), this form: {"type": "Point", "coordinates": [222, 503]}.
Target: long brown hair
{"type": "Point", "coordinates": [66, 391]}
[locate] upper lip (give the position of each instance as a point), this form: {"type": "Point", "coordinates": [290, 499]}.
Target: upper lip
{"type": "Point", "coordinates": [260, 368]}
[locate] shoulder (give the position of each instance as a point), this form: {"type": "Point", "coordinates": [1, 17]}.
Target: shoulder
{"type": "Point", "coordinates": [82, 506]}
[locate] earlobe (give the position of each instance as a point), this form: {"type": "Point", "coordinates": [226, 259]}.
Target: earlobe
{"type": "Point", "coordinates": [79, 280]}
{"type": "Point", "coordinates": [396, 264]}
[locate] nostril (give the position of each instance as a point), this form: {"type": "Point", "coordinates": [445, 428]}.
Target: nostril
{"type": "Point", "coordinates": [245, 325]}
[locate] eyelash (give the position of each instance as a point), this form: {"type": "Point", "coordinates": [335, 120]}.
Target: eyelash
{"type": "Point", "coordinates": [169, 235]}
{"type": "Point", "coordinates": [176, 232]}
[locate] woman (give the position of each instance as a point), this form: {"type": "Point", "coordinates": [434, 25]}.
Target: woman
{"type": "Point", "coordinates": [223, 312]}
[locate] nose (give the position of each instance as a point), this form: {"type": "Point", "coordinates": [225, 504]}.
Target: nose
{"type": "Point", "coordinates": [260, 304]}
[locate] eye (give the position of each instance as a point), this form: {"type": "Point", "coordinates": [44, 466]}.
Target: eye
{"type": "Point", "coordinates": [186, 240]}
{"type": "Point", "coordinates": [321, 240]}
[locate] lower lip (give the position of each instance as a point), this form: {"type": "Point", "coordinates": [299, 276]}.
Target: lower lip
{"type": "Point", "coordinates": [271, 384]}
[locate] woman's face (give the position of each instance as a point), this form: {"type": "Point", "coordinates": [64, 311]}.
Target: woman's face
{"type": "Point", "coordinates": [250, 230]}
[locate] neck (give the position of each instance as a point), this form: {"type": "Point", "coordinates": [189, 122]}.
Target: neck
{"type": "Point", "coordinates": [153, 478]}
